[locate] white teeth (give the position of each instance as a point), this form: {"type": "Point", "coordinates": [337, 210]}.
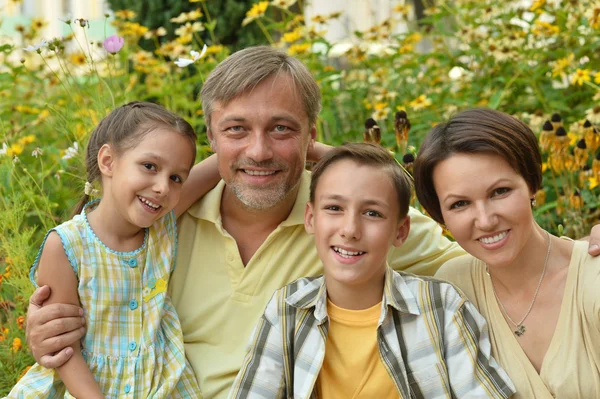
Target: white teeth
{"type": "Point", "coordinates": [150, 204]}
{"type": "Point", "coordinates": [496, 238]}
{"type": "Point", "coordinates": [346, 254]}
{"type": "Point", "coordinates": [259, 172]}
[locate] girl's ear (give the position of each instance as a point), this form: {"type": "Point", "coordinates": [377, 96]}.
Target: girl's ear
{"type": "Point", "coordinates": [308, 217]}
{"type": "Point", "coordinates": [106, 159]}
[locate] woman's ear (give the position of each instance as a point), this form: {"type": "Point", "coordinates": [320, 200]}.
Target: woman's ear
{"type": "Point", "coordinates": [106, 159]}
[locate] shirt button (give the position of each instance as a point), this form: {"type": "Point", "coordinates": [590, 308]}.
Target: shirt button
{"type": "Point", "coordinates": [133, 304]}
{"type": "Point", "coordinates": [132, 346]}
{"type": "Point", "coordinates": [132, 262]}
{"type": "Point", "coordinates": [127, 388]}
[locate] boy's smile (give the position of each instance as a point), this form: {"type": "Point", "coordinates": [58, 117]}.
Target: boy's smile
{"type": "Point", "coordinates": [355, 222]}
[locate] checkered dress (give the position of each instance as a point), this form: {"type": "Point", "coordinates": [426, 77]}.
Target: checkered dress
{"type": "Point", "coordinates": [134, 344]}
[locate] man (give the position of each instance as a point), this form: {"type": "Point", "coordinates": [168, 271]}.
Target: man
{"type": "Point", "coordinates": [246, 237]}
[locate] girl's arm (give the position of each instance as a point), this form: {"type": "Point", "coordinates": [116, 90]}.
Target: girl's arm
{"type": "Point", "coordinates": [203, 177]}
{"type": "Point", "coordinates": [56, 272]}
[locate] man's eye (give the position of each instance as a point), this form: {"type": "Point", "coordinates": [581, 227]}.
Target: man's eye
{"type": "Point", "coordinates": [281, 128]}
{"type": "Point", "coordinates": [235, 129]}
{"type": "Point", "coordinates": [459, 204]}
{"type": "Point", "coordinates": [149, 166]}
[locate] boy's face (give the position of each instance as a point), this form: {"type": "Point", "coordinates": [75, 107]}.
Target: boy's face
{"type": "Point", "coordinates": [354, 219]}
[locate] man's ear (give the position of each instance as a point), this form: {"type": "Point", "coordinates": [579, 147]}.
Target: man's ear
{"type": "Point", "coordinates": [106, 159]}
{"type": "Point", "coordinates": [309, 218]}
{"type": "Point", "coordinates": [211, 140]}
{"type": "Point", "coordinates": [313, 132]}
{"type": "Point", "coordinates": [402, 231]}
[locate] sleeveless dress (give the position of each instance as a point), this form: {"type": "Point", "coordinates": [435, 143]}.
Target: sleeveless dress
{"type": "Point", "coordinates": [134, 344]}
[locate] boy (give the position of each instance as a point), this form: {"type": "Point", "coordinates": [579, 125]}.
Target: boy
{"type": "Point", "coordinates": [363, 330]}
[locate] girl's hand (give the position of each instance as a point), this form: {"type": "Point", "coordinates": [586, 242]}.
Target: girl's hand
{"type": "Point", "coordinates": [594, 248]}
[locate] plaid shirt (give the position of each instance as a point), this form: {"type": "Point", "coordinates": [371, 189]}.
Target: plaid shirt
{"type": "Point", "coordinates": [432, 341]}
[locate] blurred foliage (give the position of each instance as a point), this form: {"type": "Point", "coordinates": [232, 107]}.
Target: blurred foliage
{"type": "Point", "coordinates": [531, 61]}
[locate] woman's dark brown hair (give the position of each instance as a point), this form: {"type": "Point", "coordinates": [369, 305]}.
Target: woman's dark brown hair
{"type": "Point", "coordinates": [124, 128]}
{"type": "Point", "coordinates": [471, 132]}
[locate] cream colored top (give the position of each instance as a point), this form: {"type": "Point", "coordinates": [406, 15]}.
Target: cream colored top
{"type": "Point", "coordinates": [571, 367]}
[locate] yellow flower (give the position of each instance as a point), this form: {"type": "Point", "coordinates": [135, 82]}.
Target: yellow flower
{"type": "Point", "coordinates": [20, 321]}
{"type": "Point", "coordinates": [215, 49]}
{"type": "Point", "coordinates": [125, 14]}
{"type": "Point", "coordinates": [30, 138]}
{"type": "Point", "coordinates": [407, 48]}
{"type": "Point", "coordinates": [257, 11]}
{"type": "Point", "coordinates": [580, 76]}
{"type": "Point", "coordinates": [593, 182]}
{"type": "Point", "coordinates": [593, 16]}
{"type": "Point", "coordinates": [161, 31]}
{"type": "Point", "coordinates": [597, 78]}
{"type": "Point", "coordinates": [181, 18]}
{"type": "Point", "coordinates": [38, 23]}
{"type": "Point", "coordinates": [194, 14]}
{"type": "Point", "coordinates": [292, 36]}
{"type": "Point", "coordinates": [544, 28]}
{"type": "Point", "coordinates": [562, 64]}
{"type": "Point", "coordinates": [285, 4]}
{"type": "Point", "coordinates": [77, 58]}
{"type": "Point", "coordinates": [298, 49]}
{"type": "Point", "coordinates": [402, 9]}
{"type": "Point", "coordinates": [413, 38]}
{"type": "Point", "coordinates": [328, 68]}
{"type": "Point", "coordinates": [420, 102]}
{"type": "Point", "coordinates": [16, 344]}
{"type": "Point", "coordinates": [537, 4]}
{"type": "Point", "coordinates": [15, 149]}
{"type": "Point", "coordinates": [189, 29]}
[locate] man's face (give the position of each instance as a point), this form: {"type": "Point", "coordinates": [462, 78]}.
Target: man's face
{"type": "Point", "coordinates": [261, 138]}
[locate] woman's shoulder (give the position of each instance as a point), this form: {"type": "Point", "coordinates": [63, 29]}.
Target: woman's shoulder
{"type": "Point", "coordinates": [456, 268]}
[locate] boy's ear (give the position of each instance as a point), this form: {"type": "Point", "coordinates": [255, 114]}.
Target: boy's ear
{"type": "Point", "coordinates": [106, 159]}
{"type": "Point", "coordinates": [402, 231]}
{"type": "Point", "coordinates": [309, 217]}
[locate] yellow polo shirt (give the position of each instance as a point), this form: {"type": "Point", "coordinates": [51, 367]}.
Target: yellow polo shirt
{"type": "Point", "coordinates": [219, 301]}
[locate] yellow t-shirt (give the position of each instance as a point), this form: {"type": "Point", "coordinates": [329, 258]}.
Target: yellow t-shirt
{"type": "Point", "coordinates": [219, 301]}
{"type": "Point", "coordinates": [352, 367]}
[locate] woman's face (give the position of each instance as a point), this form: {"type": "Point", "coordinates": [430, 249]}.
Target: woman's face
{"type": "Point", "coordinates": [485, 204]}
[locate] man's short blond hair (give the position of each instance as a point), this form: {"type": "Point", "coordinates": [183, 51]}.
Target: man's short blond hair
{"type": "Point", "coordinates": [244, 70]}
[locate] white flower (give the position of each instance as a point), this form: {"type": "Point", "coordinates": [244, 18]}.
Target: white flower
{"type": "Point", "coordinates": [183, 62]}
{"type": "Point", "coordinates": [37, 151]}
{"type": "Point", "coordinates": [4, 149]}
{"type": "Point", "coordinates": [71, 151]}
{"type": "Point", "coordinates": [15, 159]}
{"type": "Point", "coordinates": [37, 47]}
{"type": "Point", "coordinates": [67, 20]}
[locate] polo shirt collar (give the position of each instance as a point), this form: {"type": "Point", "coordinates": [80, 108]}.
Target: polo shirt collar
{"type": "Point", "coordinates": [209, 207]}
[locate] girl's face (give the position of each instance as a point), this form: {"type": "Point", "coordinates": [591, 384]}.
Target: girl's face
{"type": "Point", "coordinates": [485, 204]}
{"type": "Point", "coordinates": [147, 178]}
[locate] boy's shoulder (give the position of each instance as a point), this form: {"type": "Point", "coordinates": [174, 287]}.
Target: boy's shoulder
{"type": "Point", "coordinates": [297, 294]}
{"type": "Point", "coordinates": [435, 291]}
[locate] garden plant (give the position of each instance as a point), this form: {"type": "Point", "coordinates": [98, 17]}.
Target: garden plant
{"type": "Point", "coordinates": [538, 62]}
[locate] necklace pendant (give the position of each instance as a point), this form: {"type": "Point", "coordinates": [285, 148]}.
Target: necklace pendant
{"type": "Point", "coordinates": [520, 330]}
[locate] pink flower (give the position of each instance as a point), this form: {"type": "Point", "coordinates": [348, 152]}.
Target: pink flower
{"type": "Point", "coordinates": [113, 44]}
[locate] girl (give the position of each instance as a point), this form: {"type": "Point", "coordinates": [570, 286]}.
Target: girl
{"type": "Point", "coordinates": [115, 258]}
{"type": "Point", "coordinates": [478, 173]}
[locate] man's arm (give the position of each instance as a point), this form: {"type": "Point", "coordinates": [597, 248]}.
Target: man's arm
{"type": "Point", "coordinates": [262, 373]}
{"type": "Point", "coordinates": [203, 177]}
{"type": "Point", "coordinates": [472, 371]}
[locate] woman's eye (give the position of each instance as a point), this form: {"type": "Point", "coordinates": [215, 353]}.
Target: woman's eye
{"type": "Point", "coordinates": [501, 190]}
{"type": "Point", "coordinates": [459, 204]}
{"type": "Point", "coordinates": [149, 166]}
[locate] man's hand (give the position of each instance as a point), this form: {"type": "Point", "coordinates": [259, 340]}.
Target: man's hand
{"type": "Point", "coordinates": [316, 150]}
{"type": "Point", "coordinates": [52, 328]}
{"type": "Point", "coordinates": [594, 248]}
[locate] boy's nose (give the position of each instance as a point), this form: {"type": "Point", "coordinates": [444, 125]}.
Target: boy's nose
{"type": "Point", "coordinates": [350, 228]}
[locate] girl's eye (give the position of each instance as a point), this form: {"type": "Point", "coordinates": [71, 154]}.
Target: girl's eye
{"type": "Point", "coordinates": [501, 190]}
{"type": "Point", "coordinates": [177, 179]}
{"type": "Point", "coordinates": [149, 166]}
{"type": "Point", "coordinates": [372, 213]}
{"type": "Point", "coordinates": [459, 204]}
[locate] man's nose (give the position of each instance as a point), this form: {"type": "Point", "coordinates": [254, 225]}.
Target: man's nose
{"type": "Point", "coordinates": [259, 148]}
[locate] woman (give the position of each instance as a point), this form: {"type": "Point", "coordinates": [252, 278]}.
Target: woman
{"type": "Point", "coordinates": [477, 174]}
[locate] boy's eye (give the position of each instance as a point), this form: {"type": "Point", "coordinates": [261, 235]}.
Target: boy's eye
{"type": "Point", "coordinates": [373, 213]}
{"type": "Point", "coordinates": [333, 208]}
{"type": "Point", "coordinates": [500, 191]}
{"type": "Point", "coordinates": [459, 204]}
{"type": "Point", "coordinates": [149, 166]}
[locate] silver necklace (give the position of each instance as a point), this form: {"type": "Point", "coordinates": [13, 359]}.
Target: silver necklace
{"type": "Point", "coordinates": [519, 327]}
